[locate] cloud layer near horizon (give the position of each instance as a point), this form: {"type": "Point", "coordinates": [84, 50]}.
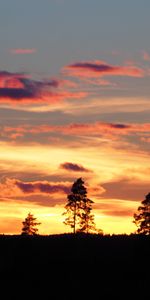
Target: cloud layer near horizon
{"type": "Point", "coordinates": [33, 191]}
{"type": "Point", "coordinates": [50, 194]}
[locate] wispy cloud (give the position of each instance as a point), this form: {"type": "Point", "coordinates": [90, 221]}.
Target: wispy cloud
{"type": "Point", "coordinates": [109, 130]}
{"type": "Point", "coordinates": [23, 50]}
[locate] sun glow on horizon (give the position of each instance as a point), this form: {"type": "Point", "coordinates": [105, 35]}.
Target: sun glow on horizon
{"type": "Point", "coordinates": [41, 163]}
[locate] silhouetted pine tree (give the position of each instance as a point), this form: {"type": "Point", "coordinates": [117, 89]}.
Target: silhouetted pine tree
{"type": "Point", "coordinates": [78, 209]}
{"type": "Point", "coordinates": [78, 192]}
{"type": "Point", "coordinates": [86, 221]}
{"type": "Point", "coordinates": [29, 225]}
{"type": "Point", "coordinates": [142, 219]}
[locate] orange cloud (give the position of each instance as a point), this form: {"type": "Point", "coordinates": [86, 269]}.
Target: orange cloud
{"type": "Point", "coordinates": [34, 191]}
{"type": "Point", "coordinates": [145, 139]}
{"type": "Point", "coordinates": [126, 188]}
{"type": "Point", "coordinates": [116, 208]}
{"type": "Point", "coordinates": [23, 50]}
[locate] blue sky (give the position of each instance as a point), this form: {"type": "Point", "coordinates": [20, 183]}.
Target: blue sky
{"type": "Point", "coordinates": [65, 31]}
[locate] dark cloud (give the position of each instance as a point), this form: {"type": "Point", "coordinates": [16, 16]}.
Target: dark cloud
{"type": "Point", "coordinates": [6, 75]}
{"type": "Point", "coordinates": [19, 86]}
{"type": "Point", "coordinates": [44, 193]}
{"type": "Point", "coordinates": [37, 84]}
{"type": "Point", "coordinates": [120, 126]}
{"type": "Point", "coordinates": [100, 68]}
{"type": "Point", "coordinates": [17, 93]}
{"type": "Point", "coordinates": [15, 87]}
{"type": "Point", "coordinates": [42, 187]}
{"type": "Point", "coordinates": [93, 66]}
{"type": "Point", "coordinates": [73, 167]}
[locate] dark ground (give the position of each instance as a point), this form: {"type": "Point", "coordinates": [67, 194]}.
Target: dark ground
{"type": "Point", "coordinates": [90, 264]}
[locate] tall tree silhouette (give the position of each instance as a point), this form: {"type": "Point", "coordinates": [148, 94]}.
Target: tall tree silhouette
{"type": "Point", "coordinates": [29, 225]}
{"type": "Point", "coordinates": [142, 218]}
{"type": "Point", "coordinates": [86, 222]}
{"type": "Point", "coordinates": [78, 209]}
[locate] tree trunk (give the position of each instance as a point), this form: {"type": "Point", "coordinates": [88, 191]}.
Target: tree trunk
{"type": "Point", "coordinates": [74, 225]}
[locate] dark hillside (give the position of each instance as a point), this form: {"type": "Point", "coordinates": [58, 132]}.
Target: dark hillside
{"type": "Point", "coordinates": [103, 262]}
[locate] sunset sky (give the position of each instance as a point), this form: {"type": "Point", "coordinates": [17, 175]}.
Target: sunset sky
{"type": "Point", "coordinates": [74, 102]}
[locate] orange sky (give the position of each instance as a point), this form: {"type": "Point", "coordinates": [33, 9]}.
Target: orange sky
{"type": "Point", "coordinates": [116, 180]}
{"type": "Point", "coordinates": [67, 134]}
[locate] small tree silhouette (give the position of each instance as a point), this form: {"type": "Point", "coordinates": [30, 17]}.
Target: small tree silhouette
{"type": "Point", "coordinates": [29, 225]}
{"type": "Point", "coordinates": [142, 219]}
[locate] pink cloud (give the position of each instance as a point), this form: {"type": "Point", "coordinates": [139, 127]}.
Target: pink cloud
{"type": "Point", "coordinates": [101, 129]}
{"type": "Point", "coordinates": [17, 87]}
{"type": "Point", "coordinates": [146, 56]}
{"type": "Point", "coordinates": [14, 136]}
{"type": "Point", "coordinates": [73, 128]}
{"type": "Point", "coordinates": [67, 83]}
{"type": "Point", "coordinates": [99, 69]}
{"type": "Point", "coordinates": [23, 50]}
{"type": "Point", "coordinates": [95, 128]}
{"type": "Point", "coordinates": [12, 80]}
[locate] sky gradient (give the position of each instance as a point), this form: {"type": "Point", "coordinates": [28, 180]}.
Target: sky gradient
{"type": "Point", "coordinates": [74, 102]}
